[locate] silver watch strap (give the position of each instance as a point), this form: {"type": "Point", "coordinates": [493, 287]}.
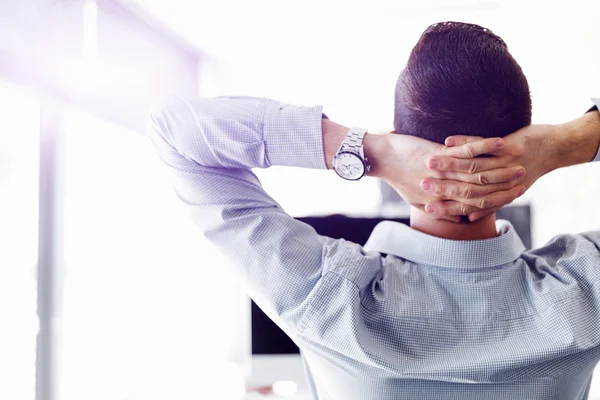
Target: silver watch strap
{"type": "Point", "coordinates": [354, 139]}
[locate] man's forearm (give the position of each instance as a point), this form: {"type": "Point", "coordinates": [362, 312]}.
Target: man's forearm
{"type": "Point", "coordinates": [333, 136]}
{"type": "Point", "coordinates": [577, 142]}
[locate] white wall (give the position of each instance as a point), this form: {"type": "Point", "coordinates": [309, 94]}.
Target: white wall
{"type": "Point", "coordinates": [560, 54]}
{"type": "Point", "coordinates": [348, 62]}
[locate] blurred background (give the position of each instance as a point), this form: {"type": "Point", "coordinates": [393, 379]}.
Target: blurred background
{"type": "Point", "coordinates": [106, 289]}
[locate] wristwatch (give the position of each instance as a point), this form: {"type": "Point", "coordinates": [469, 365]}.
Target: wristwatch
{"type": "Point", "coordinates": [350, 161]}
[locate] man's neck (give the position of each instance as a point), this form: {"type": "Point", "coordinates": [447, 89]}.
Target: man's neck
{"type": "Point", "coordinates": [485, 228]}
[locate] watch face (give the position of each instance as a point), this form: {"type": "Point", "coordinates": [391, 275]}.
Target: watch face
{"type": "Point", "coordinates": [349, 166]}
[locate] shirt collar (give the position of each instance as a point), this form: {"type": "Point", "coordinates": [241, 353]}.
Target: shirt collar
{"type": "Point", "coordinates": [391, 237]}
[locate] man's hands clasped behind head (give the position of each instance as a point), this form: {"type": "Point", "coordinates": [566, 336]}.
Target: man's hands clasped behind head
{"type": "Point", "coordinates": [459, 184]}
{"type": "Point", "coordinates": [454, 180]}
{"type": "Point", "coordinates": [527, 149]}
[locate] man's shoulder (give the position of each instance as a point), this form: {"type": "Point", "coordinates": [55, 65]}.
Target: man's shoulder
{"type": "Point", "coordinates": [579, 242]}
{"type": "Point", "coordinates": [579, 253]}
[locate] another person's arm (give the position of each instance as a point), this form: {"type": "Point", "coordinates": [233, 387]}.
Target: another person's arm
{"type": "Point", "coordinates": [210, 145]}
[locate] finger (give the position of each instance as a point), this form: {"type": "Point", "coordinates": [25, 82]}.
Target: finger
{"type": "Point", "coordinates": [443, 208]}
{"type": "Point", "coordinates": [451, 218]}
{"type": "Point", "coordinates": [476, 148]}
{"type": "Point", "coordinates": [497, 199]}
{"type": "Point", "coordinates": [482, 213]}
{"type": "Point", "coordinates": [458, 140]}
{"type": "Point", "coordinates": [460, 191]}
{"type": "Point", "coordinates": [514, 174]}
{"type": "Point", "coordinates": [470, 165]}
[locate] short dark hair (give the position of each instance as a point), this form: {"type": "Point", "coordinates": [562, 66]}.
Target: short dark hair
{"type": "Point", "coordinates": [461, 79]}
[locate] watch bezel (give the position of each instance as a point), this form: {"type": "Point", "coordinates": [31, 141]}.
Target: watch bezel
{"type": "Point", "coordinates": [362, 160]}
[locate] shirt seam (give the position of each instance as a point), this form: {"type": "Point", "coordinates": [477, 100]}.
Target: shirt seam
{"type": "Point", "coordinates": [307, 315]}
{"type": "Point", "coordinates": [321, 139]}
{"type": "Point", "coordinates": [215, 171]}
{"type": "Point", "coordinates": [262, 132]}
{"type": "Point", "coordinates": [305, 318]}
{"type": "Point", "coordinates": [472, 321]}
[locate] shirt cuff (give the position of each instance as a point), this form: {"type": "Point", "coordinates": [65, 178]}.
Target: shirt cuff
{"type": "Point", "coordinates": [293, 135]}
{"type": "Point", "coordinates": [595, 108]}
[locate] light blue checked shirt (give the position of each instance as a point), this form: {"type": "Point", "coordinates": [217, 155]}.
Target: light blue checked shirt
{"type": "Point", "coordinates": [434, 319]}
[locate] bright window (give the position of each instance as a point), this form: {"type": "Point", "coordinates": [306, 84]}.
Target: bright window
{"type": "Point", "coordinates": [149, 310]}
{"type": "Point", "coordinates": [19, 171]}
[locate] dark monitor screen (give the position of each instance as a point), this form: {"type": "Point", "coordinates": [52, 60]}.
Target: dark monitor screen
{"type": "Point", "coordinates": [267, 338]}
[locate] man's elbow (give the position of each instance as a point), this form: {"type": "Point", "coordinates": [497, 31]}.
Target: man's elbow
{"type": "Point", "coordinates": [162, 119]}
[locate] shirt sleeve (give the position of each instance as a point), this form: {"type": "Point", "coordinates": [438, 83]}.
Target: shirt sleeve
{"type": "Point", "coordinates": [595, 109]}
{"type": "Point", "coordinates": [210, 145]}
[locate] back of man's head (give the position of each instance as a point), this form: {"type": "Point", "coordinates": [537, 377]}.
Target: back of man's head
{"type": "Point", "coordinates": [460, 79]}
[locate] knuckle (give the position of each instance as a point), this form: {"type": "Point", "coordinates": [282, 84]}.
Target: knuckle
{"type": "Point", "coordinates": [464, 209]}
{"type": "Point", "coordinates": [439, 189]}
{"type": "Point", "coordinates": [485, 203]}
{"type": "Point", "coordinates": [504, 177]}
{"type": "Point", "coordinates": [483, 179]}
{"type": "Point", "coordinates": [519, 149]}
{"type": "Point", "coordinates": [473, 165]}
{"type": "Point", "coordinates": [432, 162]}
{"type": "Point", "coordinates": [469, 150]}
{"type": "Point", "coordinates": [467, 192]}
{"type": "Point", "coordinates": [447, 164]}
